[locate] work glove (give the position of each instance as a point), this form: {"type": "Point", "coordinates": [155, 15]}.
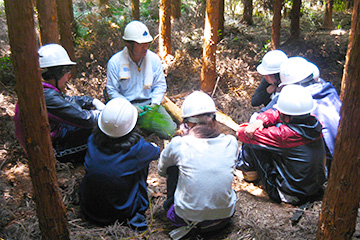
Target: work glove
{"type": "Point", "coordinates": [140, 109]}
{"type": "Point", "coordinates": [98, 104]}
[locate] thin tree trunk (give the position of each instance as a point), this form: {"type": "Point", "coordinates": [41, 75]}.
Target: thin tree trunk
{"type": "Point", "coordinates": [49, 31]}
{"type": "Point", "coordinates": [295, 19]}
{"type": "Point", "coordinates": [221, 19]}
{"type": "Point", "coordinates": [276, 25]}
{"type": "Point", "coordinates": [248, 12]}
{"type": "Point", "coordinates": [208, 70]}
{"type": "Point", "coordinates": [175, 9]}
{"type": "Point", "coordinates": [327, 24]}
{"type": "Point", "coordinates": [165, 28]}
{"type": "Point", "coordinates": [341, 201]}
{"type": "Point", "coordinates": [135, 9]}
{"type": "Point", "coordinates": [50, 209]}
{"type": "Point", "coordinates": [66, 19]}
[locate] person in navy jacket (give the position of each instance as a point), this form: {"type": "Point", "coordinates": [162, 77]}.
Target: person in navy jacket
{"type": "Point", "coordinates": [117, 162]}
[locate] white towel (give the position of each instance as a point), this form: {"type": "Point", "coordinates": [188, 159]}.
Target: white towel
{"type": "Point", "coordinates": [125, 68]}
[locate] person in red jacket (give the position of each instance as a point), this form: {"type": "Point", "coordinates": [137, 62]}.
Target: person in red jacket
{"type": "Point", "coordinates": [284, 148]}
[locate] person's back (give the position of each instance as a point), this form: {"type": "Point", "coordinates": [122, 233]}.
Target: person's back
{"type": "Point", "coordinates": [205, 175]}
{"type": "Point", "coordinates": [114, 186]}
{"type": "Point", "coordinates": [199, 167]}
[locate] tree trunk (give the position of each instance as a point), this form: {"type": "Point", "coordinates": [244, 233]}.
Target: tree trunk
{"type": "Point", "coordinates": [208, 70]}
{"type": "Point", "coordinates": [327, 24]}
{"type": "Point", "coordinates": [50, 209]}
{"type": "Point", "coordinates": [341, 201]}
{"type": "Point", "coordinates": [221, 20]}
{"type": "Point", "coordinates": [248, 12]}
{"type": "Point", "coordinates": [49, 32]}
{"type": "Point", "coordinates": [165, 28]}
{"type": "Point", "coordinates": [295, 19]}
{"type": "Point", "coordinates": [175, 9]}
{"type": "Point", "coordinates": [276, 25]}
{"type": "Point", "coordinates": [66, 19]}
{"type": "Point", "coordinates": [135, 9]}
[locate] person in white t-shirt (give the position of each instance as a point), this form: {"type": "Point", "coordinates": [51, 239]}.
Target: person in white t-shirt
{"type": "Point", "coordinates": [198, 165]}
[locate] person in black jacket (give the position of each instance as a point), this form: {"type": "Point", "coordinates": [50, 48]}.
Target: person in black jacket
{"type": "Point", "coordinates": [71, 118]}
{"type": "Point", "coordinates": [285, 149]}
{"type": "Point", "coordinates": [117, 162]}
{"type": "Point", "coordinates": [269, 68]}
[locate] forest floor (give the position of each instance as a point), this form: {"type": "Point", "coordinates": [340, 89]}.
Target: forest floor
{"type": "Point", "coordinates": [239, 52]}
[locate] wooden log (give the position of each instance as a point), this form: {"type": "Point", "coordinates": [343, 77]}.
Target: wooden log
{"type": "Point", "coordinates": [176, 114]}
{"type": "Point", "coordinates": [173, 109]}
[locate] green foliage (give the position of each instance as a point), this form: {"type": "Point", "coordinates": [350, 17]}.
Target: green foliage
{"type": "Point", "coordinates": [267, 46]}
{"type": "Point", "coordinates": [339, 5]}
{"type": "Point", "coordinates": [6, 70]}
{"type": "Point", "coordinates": [5, 63]}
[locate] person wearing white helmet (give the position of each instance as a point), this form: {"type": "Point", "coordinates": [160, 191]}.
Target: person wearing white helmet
{"type": "Point", "coordinates": [199, 164]}
{"type": "Point", "coordinates": [297, 70]}
{"type": "Point", "coordinates": [114, 187]}
{"type": "Point", "coordinates": [71, 118]}
{"type": "Point", "coordinates": [284, 149]}
{"type": "Point", "coordinates": [269, 68]}
{"type": "Point", "coordinates": [136, 74]}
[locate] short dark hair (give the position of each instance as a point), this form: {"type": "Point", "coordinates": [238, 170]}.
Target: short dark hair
{"type": "Point", "coordinates": [55, 72]}
{"type": "Point", "coordinates": [112, 145]}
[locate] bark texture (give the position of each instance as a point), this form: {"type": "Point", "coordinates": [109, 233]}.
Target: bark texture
{"type": "Point", "coordinates": [341, 201]}
{"type": "Point", "coordinates": [165, 28]}
{"type": "Point", "coordinates": [50, 209]}
{"type": "Point", "coordinates": [48, 22]}
{"type": "Point", "coordinates": [208, 70]}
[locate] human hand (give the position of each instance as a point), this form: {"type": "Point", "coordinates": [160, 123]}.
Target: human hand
{"type": "Point", "coordinates": [251, 128]}
{"type": "Point", "coordinates": [98, 104]}
{"type": "Point", "coordinates": [271, 89]}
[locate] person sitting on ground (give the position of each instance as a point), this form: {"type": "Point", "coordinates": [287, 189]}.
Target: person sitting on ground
{"type": "Point", "coordinates": [117, 161]}
{"type": "Point", "coordinates": [198, 165]}
{"type": "Point", "coordinates": [284, 148]}
{"type": "Point", "coordinates": [71, 118]}
{"type": "Point", "coordinates": [269, 68]}
{"type": "Point", "coordinates": [136, 74]}
{"type": "Point", "coordinates": [297, 70]}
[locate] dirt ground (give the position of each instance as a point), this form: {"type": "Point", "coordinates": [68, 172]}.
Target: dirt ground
{"type": "Point", "coordinates": [240, 51]}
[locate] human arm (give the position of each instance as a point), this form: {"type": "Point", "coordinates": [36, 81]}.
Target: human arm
{"type": "Point", "coordinates": [167, 157]}
{"type": "Point", "coordinates": [113, 78]}
{"type": "Point", "coordinates": [252, 127]}
{"type": "Point", "coordinates": [159, 86]}
{"type": "Point", "coordinates": [71, 110]}
{"type": "Point", "coordinates": [261, 94]}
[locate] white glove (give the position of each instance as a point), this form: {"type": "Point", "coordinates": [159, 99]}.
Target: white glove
{"type": "Point", "coordinates": [98, 104]}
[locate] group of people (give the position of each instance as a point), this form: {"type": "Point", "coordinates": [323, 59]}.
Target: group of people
{"type": "Point", "coordinates": [284, 146]}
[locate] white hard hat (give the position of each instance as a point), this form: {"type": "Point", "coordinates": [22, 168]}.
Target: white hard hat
{"type": "Point", "coordinates": [197, 103]}
{"type": "Point", "coordinates": [295, 100]}
{"type": "Point", "coordinates": [138, 32]}
{"type": "Point", "coordinates": [118, 118]}
{"type": "Point", "coordinates": [295, 69]}
{"type": "Point", "coordinates": [271, 62]}
{"type": "Point", "coordinates": [52, 55]}
{"type": "Point", "coordinates": [316, 71]}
